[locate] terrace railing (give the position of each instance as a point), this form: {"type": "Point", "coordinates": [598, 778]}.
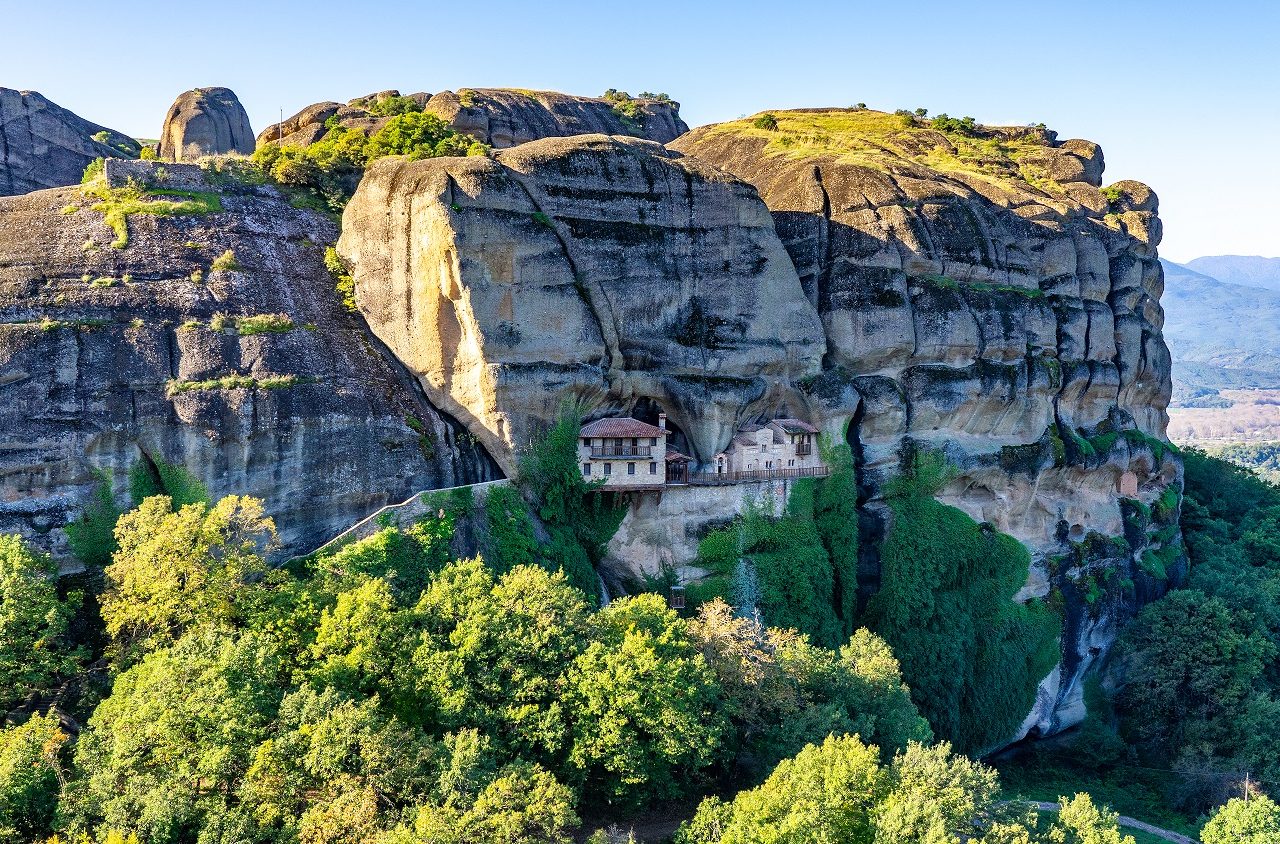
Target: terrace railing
{"type": "Point", "coordinates": [718, 478]}
{"type": "Point", "coordinates": [600, 452]}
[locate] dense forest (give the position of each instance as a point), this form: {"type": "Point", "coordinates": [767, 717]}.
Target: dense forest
{"type": "Point", "coordinates": [184, 689]}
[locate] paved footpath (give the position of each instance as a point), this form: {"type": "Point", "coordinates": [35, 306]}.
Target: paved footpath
{"type": "Point", "coordinates": [1132, 823]}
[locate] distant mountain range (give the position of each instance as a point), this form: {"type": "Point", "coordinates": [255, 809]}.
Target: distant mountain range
{"type": "Point", "coordinates": [1222, 335]}
{"type": "Point", "coordinates": [1249, 270]}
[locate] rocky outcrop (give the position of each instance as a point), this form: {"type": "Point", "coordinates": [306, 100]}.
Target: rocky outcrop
{"type": "Point", "coordinates": [601, 271]}
{"type": "Point", "coordinates": [499, 117]}
{"type": "Point", "coordinates": [982, 296]}
{"type": "Point", "coordinates": [971, 305]}
{"type": "Point", "coordinates": [42, 145]}
{"type": "Point", "coordinates": [506, 117]}
{"type": "Point", "coordinates": [242, 367]}
{"type": "Point", "coordinates": [310, 125]}
{"type": "Point", "coordinates": [205, 121]}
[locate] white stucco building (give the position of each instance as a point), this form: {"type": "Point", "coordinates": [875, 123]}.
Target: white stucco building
{"type": "Point", "coordinates": [785, 446]}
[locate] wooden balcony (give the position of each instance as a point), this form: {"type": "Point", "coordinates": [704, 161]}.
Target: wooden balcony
{"type": "Point", "coordinates": [608, 451]}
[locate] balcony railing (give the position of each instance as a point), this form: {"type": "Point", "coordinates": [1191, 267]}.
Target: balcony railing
{"type": "Point", "coordinates": [804, 449]}
{"type": "Point", "coordinates": [717, 478]}
{"type": "Point", "coordinates": [598, 452]}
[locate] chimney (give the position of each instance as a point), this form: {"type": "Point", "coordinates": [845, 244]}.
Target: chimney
{"type": "Point", "coordinates": [662, 421]}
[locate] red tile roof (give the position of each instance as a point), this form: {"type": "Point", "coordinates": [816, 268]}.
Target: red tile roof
{"type": "Point", "coordinates": [674, 456]}
{"type": "Point", "coordinates": [621, 427]}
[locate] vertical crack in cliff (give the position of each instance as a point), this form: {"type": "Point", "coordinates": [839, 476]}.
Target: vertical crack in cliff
{"type": "Point", "coordinates": [826, 258]}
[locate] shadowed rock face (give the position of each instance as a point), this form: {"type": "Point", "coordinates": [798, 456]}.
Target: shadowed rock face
{"type": "Point", "coordinates": [984, 297]}
{"type": "Point", "coordinates": [598, 270]}
{"type": "Point", "coordinates": [500, 117]}
{"type": "Point", "coordinates": [205, 121]}
{"type": "Point", "coordinates": [92, 339]}
{"type": "Point", "coordinates": [42, 145]}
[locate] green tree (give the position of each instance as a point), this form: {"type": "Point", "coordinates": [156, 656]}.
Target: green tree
{"type": "Point", "coordinates": [511, 541]}
{"type": "Point", "coordinates": [935, 797]}
{"type": "Point", "coordinates": [33, 622]}
{"type": "Point", "coordinates": [30, 778]}
{"type": "Point", "coordinates": [780, 692]}
{"type": "Point", "coordinates": [174, 570]}
{"type": "Point", "coordinates": [417, 135]}
{"type": "Point", "coordinates": [330, 750]}
{"type": "Point", "coordinates": [1081, 822]}
{"type": "Point", "coordinates": [170, 747]}
{"type": "Point", "coordinates": [827, 793]}
{"type": "Point", "coordinates": [578, 518]}
{"type": "Point", "coordinates": [522, 805]}
{"type": "Point", "coordinates": [835, 514]}
{"type": "Point", "coordinates": [362, 645]}
{"type": "Point", "coordinates": [971, 655]}
{"type": "Point", "coordinates": [1256, 821]}
{"type": "Point", "coordinates": [1191, 665]}
{"type": "Point", "coordinates": [643, 703]}
{"type": "Point", "coordinates": [495, 654]}
{"type": "Point", "coordinates": [90, 537]}
{"type": "Point", "coordinates": [405, 557]}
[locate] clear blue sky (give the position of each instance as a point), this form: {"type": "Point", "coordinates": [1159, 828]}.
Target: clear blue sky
{"type": "Point", "coordinates": [1180, 95]}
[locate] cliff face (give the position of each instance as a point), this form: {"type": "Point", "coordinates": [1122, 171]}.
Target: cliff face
{"type": "Point", "coordinates": [982, 295]}
{"type": "Point", "coordinates": [109, 354]}
{"type": "Point", "coordinates": [42, 145]}
{"type": "Point", "coordinates": [604, 272]}
{"type": "Point", "coordinates": [970, 291]}
{"type": "Point", "coordinates": [977, 294]}
{"type": "Point", "coordinates": [499, 117]}
{"type": "Point", "coordinates": [506, 117]}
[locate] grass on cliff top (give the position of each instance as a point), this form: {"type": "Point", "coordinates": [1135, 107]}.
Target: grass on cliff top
{"type": "Point", "coordinates": [875, 139]}
{"type": "Point", "coordinates": [234, 382]}
{"type": "Point", "coordinates": [117, 204]}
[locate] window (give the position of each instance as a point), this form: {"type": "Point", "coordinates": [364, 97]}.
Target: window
{"type": "Point", "coordinates": [653, 468]}
{"type": "Point", "coordinates": [608, 468]}
{"type": "Point", "coordinates": [763, 448]}
{"type": "Point", "coordinates": [653, 440]}
{"type": "Point", "coordinates": [791, 462]}
{"type": "Point", "coordinates": [768, 464]}
{"type": "Point", "coordinates": [586, 468]}
{"type": "Point", "coordinates": [631, 468]}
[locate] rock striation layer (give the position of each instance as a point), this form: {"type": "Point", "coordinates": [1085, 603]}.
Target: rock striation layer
{"type": "Point", "coordinates": [111, 356]}
{"type": "Point", "coordinates": [982, 295]}
{"type": "Point", "coordinates": [972, 305]}
{"type": "Point", "coordinates": [205, 121]}
{"type": "Point", "coordinates": [42, 145]}
{"type": "Point", "coordinates": [604, 272]}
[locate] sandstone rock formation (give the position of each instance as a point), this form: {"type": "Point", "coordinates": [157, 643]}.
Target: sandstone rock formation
{"type": "Point", "coordinates": [42, 145]}
{"type": "Point", "coordinates": [205, 121]}
{"type": "Point", "coordinates": [983, 297]}
{"type": "Point", "coordinates": [107, 356]}
{"type": "Point", "coordinates": [505, 117]}
{"type": "Point", "coordinates": [597, 270]}
{"type": "Point", "coordinates": [500, 117]}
